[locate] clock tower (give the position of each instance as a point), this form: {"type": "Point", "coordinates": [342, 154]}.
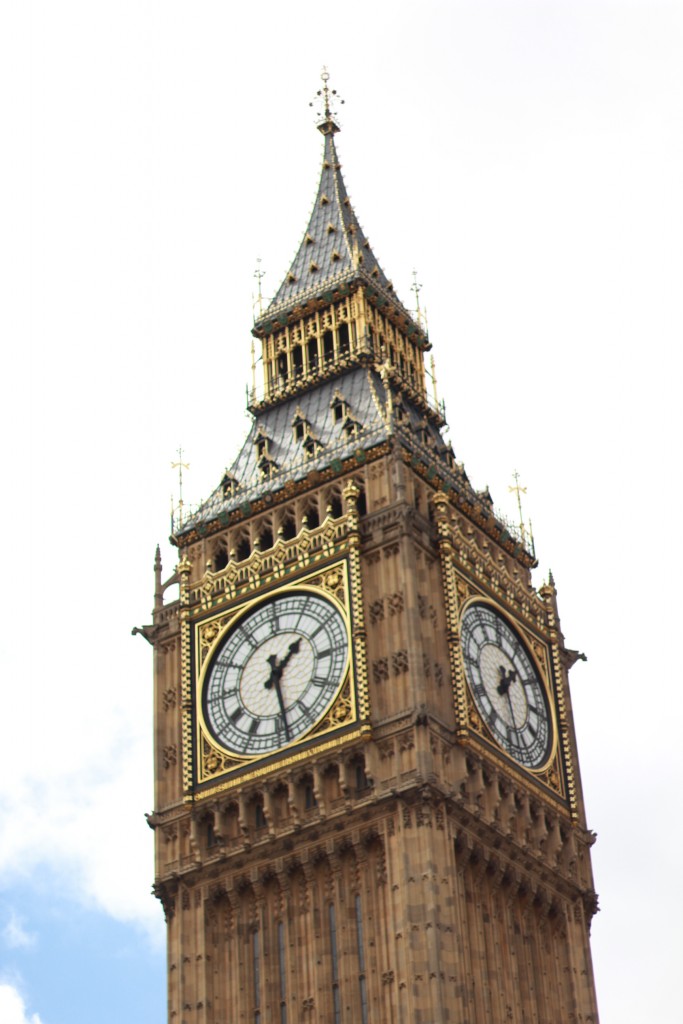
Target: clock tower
{"type": "Point", "coordinates": [367, 804]}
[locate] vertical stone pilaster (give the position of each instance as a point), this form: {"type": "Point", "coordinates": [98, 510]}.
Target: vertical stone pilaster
{"type": "Point", "coordinates": [184, 569]}
{"type": "Point", "coordinates": [450, 592]}
{"type": "Point", "coordinates": [549, 595]}
{"type": "Point", "coordinates": [351, 492]}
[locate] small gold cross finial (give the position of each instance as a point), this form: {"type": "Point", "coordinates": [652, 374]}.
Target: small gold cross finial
{"type": "Point", "coordinates": [259, 275]}
{"type": "Point", "coordinates": [517, 489]}
{"type": "Point", "coordinates": [416, 289]}
{"type": "Point", "coordinates": [180, 466]}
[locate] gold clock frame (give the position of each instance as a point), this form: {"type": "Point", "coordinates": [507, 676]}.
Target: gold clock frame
{"type": "Point", "coordinates": [539, 652]}
{"type": "Point", "coordinates": [213, 763]}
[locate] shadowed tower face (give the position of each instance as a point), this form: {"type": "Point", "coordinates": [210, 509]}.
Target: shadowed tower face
{"type": "Point", "coordinates": [367, 804]}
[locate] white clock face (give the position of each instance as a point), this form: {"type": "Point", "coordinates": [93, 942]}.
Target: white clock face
{"type": "Point", "coordinates": [276, 673]}
{"type": "Point", "coordinates": [506, 686]}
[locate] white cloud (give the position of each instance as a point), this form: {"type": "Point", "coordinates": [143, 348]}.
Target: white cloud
{"type": "Point", "coordinates": [15, 935]}
{"type": "Point", "coordinates": [13, 1008]}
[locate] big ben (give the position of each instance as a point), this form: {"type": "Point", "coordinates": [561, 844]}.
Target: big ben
{"type": "Point", "coordinates": [368, 805]}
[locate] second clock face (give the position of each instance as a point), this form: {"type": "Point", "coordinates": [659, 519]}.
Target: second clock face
{"type": "Point", "coordinates": [276, 673]}
{"type": "Point", "coordinates": [506, 686]}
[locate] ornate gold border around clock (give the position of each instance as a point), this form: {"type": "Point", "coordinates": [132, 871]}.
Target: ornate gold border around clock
{"type": "Point", "coordinates": [336, 579]}
{"type": "Point", "coordinates": [295, 757]}
{"type": "Point", "coordinates": [459, 589]}
{"type": "Point", "coordinates": [310, 548]}
{"type": "Point", "coordinates": [539, 651]}
{"type": "Point", "coordinates": [560, 675]}
{"type": "Point", "coordinates": [452, 608]}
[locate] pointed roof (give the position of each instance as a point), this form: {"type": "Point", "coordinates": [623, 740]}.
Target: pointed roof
{"type": "Point", "coordinates": [334, 250]}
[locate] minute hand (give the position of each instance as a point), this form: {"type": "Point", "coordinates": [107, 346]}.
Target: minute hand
{"type": "Point", "coordinates": [274, 680]}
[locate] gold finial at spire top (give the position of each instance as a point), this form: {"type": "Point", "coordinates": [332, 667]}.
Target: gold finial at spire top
{"type": "Point", "coordinates": [180, 466]}
{"type": "Point", "coordinates": [327, 117]}
{"type": "Point", "coordinates": [325, 76]}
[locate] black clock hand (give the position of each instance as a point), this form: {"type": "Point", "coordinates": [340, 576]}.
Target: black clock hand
{"type": "Point", "coordinates": [274, 681]}
{"type": "Point", "coordinates": [275, 677]}
{"type": "Point", "coordinates": [506, 678]}
{"type": "Point", "coordinates": [293, 649]}
{"type": "Point", "coordinates": [512, 710]}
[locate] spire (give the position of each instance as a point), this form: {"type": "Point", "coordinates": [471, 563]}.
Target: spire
{"type": "Point", "coordinates": [334, 250]}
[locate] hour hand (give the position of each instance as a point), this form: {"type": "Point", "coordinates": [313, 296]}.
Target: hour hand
{"type": "Point", "coordinates": [506, 678]}
{"type": "Point", "coordinates": [293, 649]}
{"type": "Point", "coordinates": [275, 672]}
{"type": "Point", "coordinates": [276, 669]}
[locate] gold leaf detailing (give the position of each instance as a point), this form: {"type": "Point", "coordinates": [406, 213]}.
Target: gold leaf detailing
{"type": "Point", "coordinates": [341, 712]}
{"type": "Point", "coordinates": [332, 581]}
{"type": "Point", "coordinates": [209, 633]}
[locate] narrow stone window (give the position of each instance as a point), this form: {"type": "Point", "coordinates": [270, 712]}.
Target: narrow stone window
{"type": "Point", "coordinates": [312, 517]}
{"type": "Point", "coordinates": [328, 346]}
{"type": "Point", "coordinates": [265, 539]}
{"type": "Point", "coordinates": [212, 839]}
{"type": "Point", "coordinates": [220, 558]}
{"type": "Point", "coordinates": [343, 338]}
{"type": "Point", "coordinates": [259, 816]}
{"type": "Point", "coordinates": [310, 801]}
{"type": "Point", "coordinates": [288, 528]}
{"type": "Point", "coordinates": [313, 354]}
{"type": "Point", "coordinates": [361, 779]}
{"type": "Point", "coordinates": [243, 549]}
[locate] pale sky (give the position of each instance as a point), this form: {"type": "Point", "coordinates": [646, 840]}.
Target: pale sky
{"type": "Point", "coordinates": [527, 160]}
